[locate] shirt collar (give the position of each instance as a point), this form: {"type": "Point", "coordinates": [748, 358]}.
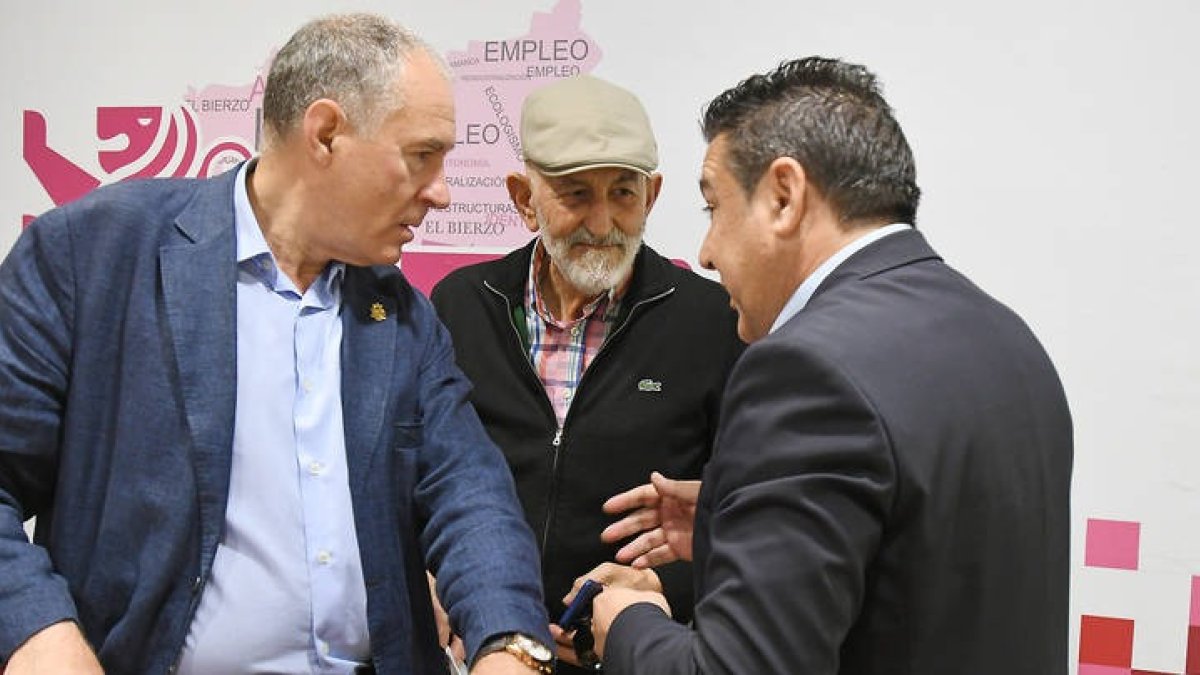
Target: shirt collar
{"type": "Point", "coordinates": [254, 255]}
{"type": "Point", "coordinates": [805, 292]}
{"type": "Point", "coordinates": [539, 265]}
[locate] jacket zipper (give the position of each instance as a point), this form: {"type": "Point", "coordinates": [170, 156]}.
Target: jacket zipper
{"type": "Point", "coordinates": [557, 441]}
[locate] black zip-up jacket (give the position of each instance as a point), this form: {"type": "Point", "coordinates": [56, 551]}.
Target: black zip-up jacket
{"type": "Point", "coordinates": [648, 401]}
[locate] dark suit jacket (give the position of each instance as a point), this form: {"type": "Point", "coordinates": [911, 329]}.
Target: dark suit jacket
{"type": "Point", "coordinates": [117, 386]}
{"type": "Point", "coordinates": [889, 492]}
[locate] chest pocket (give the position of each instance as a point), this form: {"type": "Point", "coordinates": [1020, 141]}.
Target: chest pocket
{"type": "Point", "coordinates": [408, 435]}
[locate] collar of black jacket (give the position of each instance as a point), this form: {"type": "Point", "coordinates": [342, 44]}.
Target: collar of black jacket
{"type": "Point", "coordinates": [652, 275]}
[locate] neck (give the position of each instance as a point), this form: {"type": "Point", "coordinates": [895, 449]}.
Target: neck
{"type": "Point", "coordinates": [561, 298]}
{"type": "Point", "coordinates": [824, 240]}
{"type": "Point", "coordinates": [279, 206]}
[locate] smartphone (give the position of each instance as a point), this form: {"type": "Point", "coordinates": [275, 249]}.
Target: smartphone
{"type": "Point", "coordinates": [580, 609]}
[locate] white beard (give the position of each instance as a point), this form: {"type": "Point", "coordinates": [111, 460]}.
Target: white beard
{"type": "Point", "coordinates": [596, 271]}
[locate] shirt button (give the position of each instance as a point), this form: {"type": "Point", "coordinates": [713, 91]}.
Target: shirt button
{"type": "Point", "coordinates": [567, 395]}
{"type": "Point", "coordinates": [324, 646]}
{"type": "Point", "coordinates": [307, 385]}
{"type": "Point", "coordinates": [324, 557]}
{"type": "Point", "coordinates": [575, 331]}
{"type": "Point", "coordinates": [316, 468]}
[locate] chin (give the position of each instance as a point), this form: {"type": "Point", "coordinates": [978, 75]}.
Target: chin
{"type": "Point", "coordinates": [386, 257]}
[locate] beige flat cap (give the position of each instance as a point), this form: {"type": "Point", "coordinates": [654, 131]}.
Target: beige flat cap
{"type": "Point", "coordinates": [584, 122]}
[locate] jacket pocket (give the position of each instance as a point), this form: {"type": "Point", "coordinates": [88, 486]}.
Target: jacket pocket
{"type": "Point", "coordinates": [408, 435]}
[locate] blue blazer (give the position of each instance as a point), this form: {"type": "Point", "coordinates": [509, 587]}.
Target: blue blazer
{"type": "Point", "coordinates": [117, 388]}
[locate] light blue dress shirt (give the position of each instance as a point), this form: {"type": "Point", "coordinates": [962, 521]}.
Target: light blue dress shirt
{"type": "Point", "coordinates": [804, 293]}
{"type": "Point", "coordinates": [286, 593]}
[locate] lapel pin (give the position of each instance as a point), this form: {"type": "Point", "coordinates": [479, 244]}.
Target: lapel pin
{"type": "Point", "coordinates": [378, 313]}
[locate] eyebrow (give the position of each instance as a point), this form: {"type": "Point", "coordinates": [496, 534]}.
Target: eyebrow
{"type": "Point", "coordinates": [434, 144]}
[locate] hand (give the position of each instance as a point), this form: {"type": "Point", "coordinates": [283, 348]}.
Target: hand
{"type": "Point", "coordinates": [564, 646]}
{"type": "Point", "coordinates": [610, 575]}
{"type": "Point", "coordinates": [445, 636]}
{"type": "Point", "coordinates": [58, 648]}
{"type": "Point", "coordinates": [610, 603]}
{"type": "Point", "coordinates": [620, 576]}
{"type": "Point", "coordinates": [664, 512]}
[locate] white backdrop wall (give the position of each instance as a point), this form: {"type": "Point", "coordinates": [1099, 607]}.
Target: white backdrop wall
{"type": "Point", "coordinates": [1055, 143]}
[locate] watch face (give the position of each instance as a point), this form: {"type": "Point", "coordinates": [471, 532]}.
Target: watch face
{"type": "Point", "coordinates": [533, 648]}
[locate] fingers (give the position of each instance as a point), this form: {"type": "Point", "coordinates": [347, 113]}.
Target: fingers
{"type": "Point", "coordinates": [605, 573]}
{"type": "Point", "coordinates": [563, 645]}
{"type": "Point", "coordinates": [638, 521]}
{"type": "Point", "coordinates": [639, 547]}
{"type": "Point", "coordinates": [439, 613]}
{"type": "Point", "coordinates": [641, 496]}
{"type": "Point", "coordinates": [659, 555]}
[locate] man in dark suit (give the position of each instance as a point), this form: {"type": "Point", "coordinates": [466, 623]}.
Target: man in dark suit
{"type": "Point", "coordinates": [889, 492]}
{"type": "Point", "coordinates": [241, 429]}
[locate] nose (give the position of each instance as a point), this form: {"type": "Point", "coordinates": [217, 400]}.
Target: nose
{"type": "Point", "coordinates": [437, 193]}
{"type": "Point", "coordinates": [705, 257]}
{"type": "Point", "coordinates": [599, 221]}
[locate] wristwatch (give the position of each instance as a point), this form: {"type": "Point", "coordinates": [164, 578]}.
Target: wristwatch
{"type": "Point", "coordinates": [535, 655]}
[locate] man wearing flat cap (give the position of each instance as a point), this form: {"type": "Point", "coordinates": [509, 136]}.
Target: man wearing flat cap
{"type": "Point", "coordinates": [595, 360]}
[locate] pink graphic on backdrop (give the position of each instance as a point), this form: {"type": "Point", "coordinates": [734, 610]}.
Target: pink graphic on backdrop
{"type": "Point", "coordinates": [493, 78]}
{"type": "Point", "coordinates": [216, 128]}
{"type": "Point", "coordinates": [219, 125]}
{"type": "Point", "coordinates": [1091, 669]}
{"type": "Point", "coordinates": [1112, 543]}
{"type": "Point", "coordinates": [1106, 642]}
{"type": "Point", "coordinates": [62, 179]}
{"type": "Point", "coordinates": [140, 128]}
{"type": "Point", "coordinates": [1194, 614]}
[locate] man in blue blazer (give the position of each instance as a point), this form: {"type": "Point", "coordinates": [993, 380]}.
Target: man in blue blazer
{"type": "Point", "coordinates": [890, 487]}
{"type": "Point", "coordinates": [241, 429]}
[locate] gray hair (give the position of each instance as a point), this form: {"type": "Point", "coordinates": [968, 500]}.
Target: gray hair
{"type": "Point", "coordinates": [354, 59]}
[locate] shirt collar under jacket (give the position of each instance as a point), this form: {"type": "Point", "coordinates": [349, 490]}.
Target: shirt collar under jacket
{"type": "Point", "coordinates": [804, 293]}
{"type": "Point", "coordinates": [255, 256]}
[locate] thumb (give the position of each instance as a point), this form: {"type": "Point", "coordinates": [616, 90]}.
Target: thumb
{"type": "Point", "coordinates": [664, 485]}
{"type": "Point", "coordinates": [686, 491]}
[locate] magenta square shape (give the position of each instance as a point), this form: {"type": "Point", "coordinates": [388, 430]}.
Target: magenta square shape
{"type": "Point", "coordinates": [1112, 543]}
{"type": "Point", "coordinates": [1195, 614]}
{"type": "Point", "coordinates": [1091, 669]}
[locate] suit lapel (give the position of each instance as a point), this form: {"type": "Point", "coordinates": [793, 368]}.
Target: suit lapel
{"type": "Point", "coordinates": [369, 326]}
{"type": "Point", "coordinates": [199, 277]}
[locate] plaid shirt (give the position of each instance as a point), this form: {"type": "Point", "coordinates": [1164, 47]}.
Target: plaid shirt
{"type": "Point", "coordinates": [562, 350]}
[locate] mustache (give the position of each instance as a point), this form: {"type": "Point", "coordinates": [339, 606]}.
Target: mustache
{"type": "Point", "coordinates": [615, 237]}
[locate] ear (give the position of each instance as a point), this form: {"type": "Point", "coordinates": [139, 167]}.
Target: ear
{"type": "Point", "coordinates": [520, 191]}
{"type": "Point", "coordinates": [784, 186]}
{"type": "Point", "coordinates": [324, 120]}
{"type": "Point", "coordinates": [653, 188]}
